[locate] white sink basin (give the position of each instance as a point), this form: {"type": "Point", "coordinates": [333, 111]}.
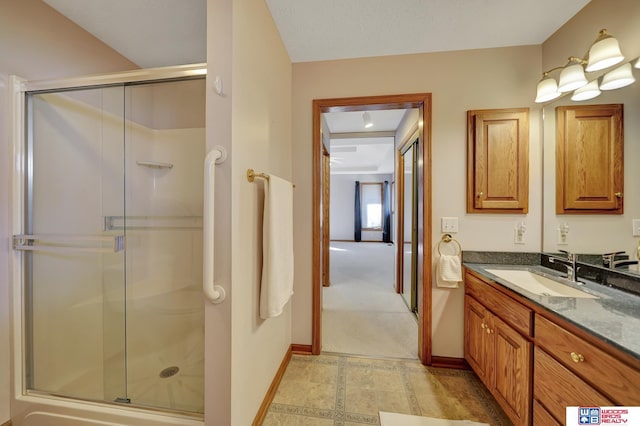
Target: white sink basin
{"type": "Point", "coordinates": [537, 284]}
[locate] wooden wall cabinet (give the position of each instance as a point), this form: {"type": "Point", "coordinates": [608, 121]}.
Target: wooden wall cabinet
{"type": "Point", "coordinates": [497, 352]}
{"type": "Point", "coordinates": [589, 159]}
{"type": "Point", "coordinates": [498, 161]}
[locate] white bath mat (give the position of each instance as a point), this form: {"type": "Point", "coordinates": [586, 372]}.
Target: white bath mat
{"type": "Point", "coordinates": [395, 419]}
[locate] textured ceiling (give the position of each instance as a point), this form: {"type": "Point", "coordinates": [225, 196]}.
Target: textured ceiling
{"type": "Point", "coordinates": [315, 30]}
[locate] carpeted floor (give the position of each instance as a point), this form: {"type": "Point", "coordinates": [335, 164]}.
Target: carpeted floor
{"type": "Point", "coordinates": [334, 390]}
{"type": "Point", "coordinates": [362, 314]}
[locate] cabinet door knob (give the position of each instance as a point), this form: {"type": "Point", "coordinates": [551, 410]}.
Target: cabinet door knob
{"type": "Point", "coordinates": [618, 194]}
{"type": "Point", "coordinates": [576, 357]}
{"type": "Point", "coordinates": [483, 325]}
{"type": "Point", "coordinates": [480, 194]}
{"type": "Point", "coordinates": [489, 331]}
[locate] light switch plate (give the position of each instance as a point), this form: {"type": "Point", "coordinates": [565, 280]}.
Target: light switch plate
{"type": "Point", "coordinates": [636, 227]}
{"type": "Point", "coordinates": [449, 224]}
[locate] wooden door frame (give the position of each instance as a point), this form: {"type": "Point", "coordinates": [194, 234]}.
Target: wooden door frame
{"type": "Point", "coordinates": [422, 101]}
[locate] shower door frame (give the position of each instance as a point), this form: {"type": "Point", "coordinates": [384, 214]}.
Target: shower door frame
{"type": "Point", "coordinates": [23, 400]}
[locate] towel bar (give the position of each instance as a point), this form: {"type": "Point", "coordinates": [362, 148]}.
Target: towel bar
{"type": "Point", "coordinates": [252, 175]}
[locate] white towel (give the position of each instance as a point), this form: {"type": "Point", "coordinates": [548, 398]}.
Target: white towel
{"type": "Point", "coordinates": [277, 247]}
{"type": "Point", "coordinates": [448, 271]}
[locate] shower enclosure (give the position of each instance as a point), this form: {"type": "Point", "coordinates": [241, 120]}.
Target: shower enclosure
{"type": "Point", "coordinates": [111, 242]}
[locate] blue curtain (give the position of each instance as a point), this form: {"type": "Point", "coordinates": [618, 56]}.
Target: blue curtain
{"type": "Point", "coordinates": [357, 223]}
{"type": "Point", "coordinates": [386, 213]}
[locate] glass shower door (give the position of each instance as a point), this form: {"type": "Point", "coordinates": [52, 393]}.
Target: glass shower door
{"type": "Point", "coordinates": [103, 164]}
{"type": "Point", "coordinates": [165, 150]}
{"type": "Point", "coordinates": [74, 268]}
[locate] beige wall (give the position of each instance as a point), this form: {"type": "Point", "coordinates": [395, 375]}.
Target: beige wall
{"type": "Point", "coordinates": [576, 36]}
{"type": "Point", "coordinates": [252, 119]}
{"type": "Point", "coordinates": [459, 81]}
{"type": "Point", "coordinates": [39, 43]}
{"type": "Point", "coordinates": [35, 43]}
{"type": "Point", "coordinates": [261, 127]}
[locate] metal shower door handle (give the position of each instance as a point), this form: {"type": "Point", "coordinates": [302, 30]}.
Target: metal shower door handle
{"type": "Point", "coordinates": [58, 243]}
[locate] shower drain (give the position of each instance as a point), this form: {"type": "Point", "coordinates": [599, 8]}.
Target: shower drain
{"type": "Point", "coordinates": [169, 371]}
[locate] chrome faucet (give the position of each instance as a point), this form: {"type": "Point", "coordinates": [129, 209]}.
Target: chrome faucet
{"type": "Point", "coordinates": [609, 260]}
{"type": "Point", "coordinates": [569, 263]}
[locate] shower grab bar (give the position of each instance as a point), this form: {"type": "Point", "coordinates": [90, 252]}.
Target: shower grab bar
{"type": "Point", "coordinates": [214, 293]}
{"type": "Point", "coordinates": [47, 242]}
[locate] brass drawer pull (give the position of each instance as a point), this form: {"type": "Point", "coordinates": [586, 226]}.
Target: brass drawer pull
{"type": "Point", "coordinates": [576, 357]}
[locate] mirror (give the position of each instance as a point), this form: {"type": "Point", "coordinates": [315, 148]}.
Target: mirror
{"type": "Point", "coordinates": [595, 234]}
{"type": "Point", "coordinates": [409, 224]}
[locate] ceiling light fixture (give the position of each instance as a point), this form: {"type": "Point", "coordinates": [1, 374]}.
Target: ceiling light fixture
{"type": "Point", "coordinates": [603, 53]}
{"type": "Point", "coordinates": [366, 118]}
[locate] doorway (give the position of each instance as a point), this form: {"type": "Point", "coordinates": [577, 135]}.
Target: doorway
{"type": "Point", "coordinates": [421, 102]}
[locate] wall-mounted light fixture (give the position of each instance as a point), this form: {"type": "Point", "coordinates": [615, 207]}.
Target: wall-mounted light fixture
{"type": "Point", "coordinates": [366, 118]}
{"type": "Point", "coordinates": [604, 53]}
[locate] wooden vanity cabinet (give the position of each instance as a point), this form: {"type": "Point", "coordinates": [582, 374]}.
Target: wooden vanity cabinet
{"type": "Point", "coordinates": [571, 371]}
{"type": "Point", "coordinates": [498, 161]}
{"type": "Point", "coordinates": [555, 388]}
{"type": "Point", "coordinates": [535, 363]}
{"type": "Point", "coordinates": [497, 352]}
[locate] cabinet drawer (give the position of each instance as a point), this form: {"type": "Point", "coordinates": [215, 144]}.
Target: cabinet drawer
{"type": "Point", "coordinates": [541, 416]}
{"type": "Point", "coordinates": [510, 311]}
{"type": "Point", "coordinates": [557, 388]}
{"type": "Point", "coordinates": [617, 380]}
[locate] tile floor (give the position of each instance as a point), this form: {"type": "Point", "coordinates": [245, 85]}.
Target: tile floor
{"type": "Point", "coordinates": [339, 390]}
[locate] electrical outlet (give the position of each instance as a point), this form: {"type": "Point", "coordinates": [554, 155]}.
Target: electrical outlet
{"type": "Point", "coordinates": [518, 236]}
{"type": "Point", "coordinates": [563, 238]}
{"type": "Point", "coordinates": [636, 227]}
{"type": "Point", "coordinates": [449, 224]}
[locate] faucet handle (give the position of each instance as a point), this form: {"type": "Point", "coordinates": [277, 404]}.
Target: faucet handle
{"type": "Point", "coordinates": [612, 254]}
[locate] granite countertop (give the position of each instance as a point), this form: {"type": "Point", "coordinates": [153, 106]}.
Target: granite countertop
{"type": "Point", "coordinates": [614, 316]}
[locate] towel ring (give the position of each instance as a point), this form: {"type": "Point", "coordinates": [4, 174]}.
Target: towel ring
{"type": "Point", "coordinates": [447, 238]}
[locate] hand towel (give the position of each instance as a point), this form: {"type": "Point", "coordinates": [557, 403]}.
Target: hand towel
{"type": "Point", "coordinates": [448, 271]}
{"type": "Point", "coordinates": [277, 247]}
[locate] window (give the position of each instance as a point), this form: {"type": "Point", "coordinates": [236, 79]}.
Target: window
{"type": "Point", "coordinates": [371, 206]}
